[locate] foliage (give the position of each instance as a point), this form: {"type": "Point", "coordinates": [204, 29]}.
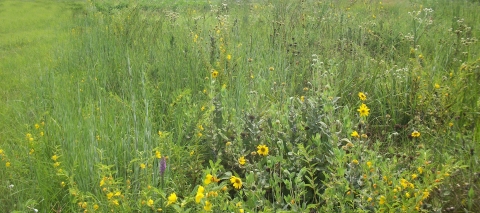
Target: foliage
{"type": "Point", "coordinates": [257, 106]}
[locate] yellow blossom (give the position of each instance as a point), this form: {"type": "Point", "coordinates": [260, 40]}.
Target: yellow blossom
{"type": "Point", "coordinates": [241, 161]}
{"type": "Point", "coordinates": [355, 134]}
{"type": "Point", "coordinates": [425, 194]}
{"type": "Point", "coordinates": [95, 207]}
{"type": "Point", "coordinates": [369, 199]}
{"type": "Point", "coordinates": [208, 206]}
{"type": "Point", "coordinates": [200, 190]}
{"type": "Point", "coordinates": [199, 197]}
{"type": "Point", "coordinates": [420, 170]}
{"type": "Point", "coordinates": [110, 195]}
{"type": "Point", "coordinates": [362, 96]}
{"type": "Point", "coordinates": [369, 164]}
{"type": "Point", "coordinates": [302, 98]}
{"type": "Point", "coordinates": [157, 154]}
{"type": "Point", "coordinates": [208, 179]}
{"type": "Point", "coordinates": [54, 157]}
{"type": "Point", "coordinates": [214, 74]}
{"type": "Point", "coordinates": [142, 166]}
{"type": "Point", "coordinates": [414, 176]}
{"type": "Point", "coordinates": [229, 57]}
{"type": "Point", "coordinates": [7, 164]}
{"type": "Point", "coordinates": [262, 150]}
{"type": "Point", "coordinates": [363, 110]}
{"type": "Point", "coordinates": [37, 126]}
{"type": "Point", "coordinates": [437, 86]}
{"type": "Point", "coordinates": [56, 164]}
{"type": "Point", "coordinates": [237, 182]}
{"type": "Point", "coordinates": [415, 134]}
{"type": "Point", "coordinates": [407, 195]}
{"type": "Point", "coordinates": [83, 205]}
{"type": "Point", "coordinates": [150, 203]}
{"type": "Point", "coordinates": [355, 161]}
{"type": "Point", "coordinates": [382, 200]}
{"type": "Point", "coordinates": [172, 198]}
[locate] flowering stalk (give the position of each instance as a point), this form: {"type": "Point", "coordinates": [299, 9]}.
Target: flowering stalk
{"type": "Point", "coordinates": [162, 166]}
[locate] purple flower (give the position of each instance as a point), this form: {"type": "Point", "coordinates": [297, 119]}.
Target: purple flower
{"type": "Point", "coordinates": [163, 165]}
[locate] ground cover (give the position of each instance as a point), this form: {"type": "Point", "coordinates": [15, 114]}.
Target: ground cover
{"type": "Point", "coordinates": [240, 106]}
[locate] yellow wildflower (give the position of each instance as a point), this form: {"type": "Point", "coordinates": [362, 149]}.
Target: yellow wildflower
{"type": "Point", "coordinates": [425, 194]}
{"type": "Point", "coordinates": [241, 161]}
{"type": "Point", "coordinates": [383, 200]}
{"type": "Point", "coordinates": [414, 176]}
{"type": "Point", "coordinates": [437, 86]}
{"type": "Point", "coordinates": [54, 157]}
{"type": "Point", "coordinates": [150, 203]}
{"type": "Point", "coordinates": [172, 198]}
{"type": "Point", "coordinates": [208, 206]}
{"type": "Point", "coordinates": [157, 154]}
{"type": "Point", "coordinates": [208, 179]}
{"type": "Point", "coordinates": [142, 166]}
{"type": "Point", "coordinates": [355, 161]}
{"type": "Point", "coordinates": [362, 96]}
{"type": "Point", "coordinates": [95, 207]}
{"type": "Point", "coordinates": [214, 74]}
{"type": "Point", "coordinates": [237, 182]}
{"type": "Point", "coordinates": [363, 110]}
{"type": "Point", "coordinates": [355, 134]}
{"type": "Point", "coordinates": [415, 134]}
{"type": "Point", "coordinates": [262, 150]}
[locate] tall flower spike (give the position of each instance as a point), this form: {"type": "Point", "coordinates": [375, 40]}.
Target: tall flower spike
{"type": "Point", "coordinates": [162, 166]}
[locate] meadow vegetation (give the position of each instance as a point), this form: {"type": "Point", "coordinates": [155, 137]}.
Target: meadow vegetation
{"type": "Point", "coordinates": [240, 106]}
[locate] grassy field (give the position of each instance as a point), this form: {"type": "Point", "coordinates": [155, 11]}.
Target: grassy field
{"type": "Point", "coordinates": [239, 106]}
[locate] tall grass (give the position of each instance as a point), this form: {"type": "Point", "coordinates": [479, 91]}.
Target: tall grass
{"type": "Point", "coordinates": [203, 86]}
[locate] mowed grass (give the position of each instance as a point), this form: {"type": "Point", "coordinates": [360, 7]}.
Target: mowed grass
{"type": "Point", "coordinates": [31, 32]}
{"type": "Point", "coordinates": [229, 106]}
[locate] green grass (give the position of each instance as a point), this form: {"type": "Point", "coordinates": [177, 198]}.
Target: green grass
{"type": "Point", "coordinates": [98, 93]}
